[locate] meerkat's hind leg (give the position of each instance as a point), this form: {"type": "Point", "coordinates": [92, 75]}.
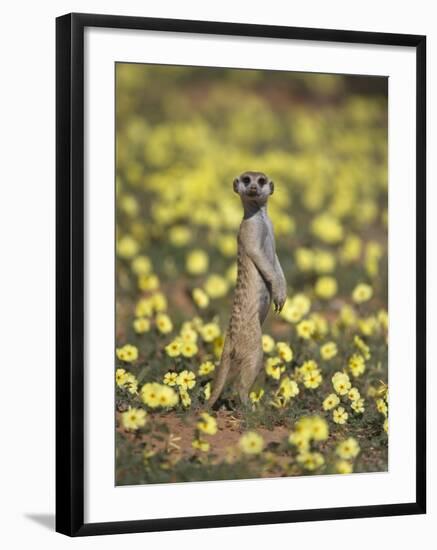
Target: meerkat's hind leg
{"type": "Point", "coordinates": [221, 374]}
{"type": "Point", "coordinates": [250, 367]}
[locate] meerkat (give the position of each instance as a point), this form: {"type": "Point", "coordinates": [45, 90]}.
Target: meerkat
{"type": "Point", "coordinates": [260, 280]}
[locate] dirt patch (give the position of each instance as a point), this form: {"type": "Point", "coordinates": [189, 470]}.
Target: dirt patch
{"type": "Point", "coordinates": [180, 432]}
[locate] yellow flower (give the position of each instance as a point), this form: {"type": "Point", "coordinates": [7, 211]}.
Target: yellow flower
{"type": "Point", "coordinates": [301, 302]}
{"type": "Point", "coordinates": [159, 302]}
{"type": "Point", "coordinates": [156, 395]}
{"type": "Point", "coordinates": [328, 350]}
{"type": "Point", "coordinates": [351, 249]}
{"type": "Point", "coordinates": [368, 325]}
{"type": "Point", "coordinates": [353, 394]}
{"type": "Point", "coordinates": [300, 440]}
{"type": "Point", "coordinates": [372, 257]}
{"type": "Point", "coordinates": [251, 443]}
{"type": "Point", "coordinates": [383, 318]}
{"type": "Point", "coordinates": [180, 235]}
{"type": "Point", "coordinates": [295, 308]}
{"type": "Point", "coordinates": [186, 379]}
{"type": "Point", "coordinates": [311, 427]}
{"type": "Point", "coordinates": [200, 298]}
{"type": "Point", "coordinates": [189, 349]}
{"type": "Point", "coordinates": [132, 419]}
{"type": "Point", "coordinates": [385, 425]}
{"type": "Point", "coordinates": [255, 397]}
{"type": "Point", "coordinates": [327, 228]}
{"type": "Point", "coordinates": [148, 282]}
{"type": "Point", "coordinates": [218, 346]}
{"type": "Point", "coordinates": [274, 367]}
{"type": "Point", "coordinates": [356, 364]}
{"type": "Point", "coordinates": [306, 329]}
{"type": "Point", "coordinates": [127, 353]}
{"type": "Point", "coordinates": [207, 391]}
{"type": "Point", "coordinates": [290, 313]}
{"type": "Point", "coordinates": [131, 383]}
{"type": "Point", "coordinates": [312, 379]}
{"type": "Point", "coordinates": [321, 324]}
{"type": "Point", "coordinates": [331, 401]}
{"type": "Point", "coordinates": [127, 247]}
{"type": "Point", "coordinates": [308, 367]}
{"type": "Point", "coordinates": [347, 449]}
{"type": "Point", "coordinates": [383, 391]}
{"type": "Point", "coordinates": [173, 349]}
{"type": "Point", "coordinates": [185, 397]}
{"type": "Point", "coordinates": [206, 368]}
{"type": "Point", "coordinates": [340, 415]}
{"type": "Point", "coordinates": [324, 261]}
{"type": "Point", "coordinates": [150, 394]}
{"type": "Point", "coordinates": [343, 467]}
{"type": "Point", "coordinates": [216, 286]}
{"type": "Point", "coordinates": [195, 323]}
{"type": "Point", "coordinates": [227, 244]}
{"type": "Point", "coordinates": [141, 265]}
{"type": "Point", "coordinates": [268, 343]}
{"type": "Point", "coordinates": [326, 287]}
{"type": "Point", "coordinates": [170, 378]}
{"type": "Point", "coordinates": [200, 445]}
{"type": "Point", "coordinates": [144, 308]}
{"type": "Point", "coordinates": [348, 316]}
{"type": "Point", "coordinates": [129, 205]}
{"type": "Point", "coordinates": [319, 428]}
{"type": "Point", "coordinates": [284, 352]}
{"type": "Point", "coordinates": [362, 346]}
{"type": "Point", "coordinates": [163, 323]}
{"type": "Point", "coordinates": [207, 424]}
{"type": "Point", "coordinates": [120, 377]}
{"type": "Point", "coordinates": [167, 397]}
{"type": "Point", "coordinates": [341, 383]}
{"type": "Point", "coordinates": [381, 405]}
{"type": "Point", "coordinates": [197, 262]}
{"type": "Point", "coordinates": [278, 402]}
{"type": "Point", "coordinates": [209, 332]}
{"type": "Point", "coordinates": [141, 325]}
{"type": "Point", "coordinates": [188, 334]}
{"type": "Point", "coordinates": [362, 293]}
{"type": "Point", "coordinates": [126, 380]}
{"type": "Point", "coordinates": [310, 460]}
{"type": "Point", "coordinates": [304, 259]}
{"type": "Point", "coordinates": [288, 388]}
{"type": "Point", "coordinates": [358, 405]}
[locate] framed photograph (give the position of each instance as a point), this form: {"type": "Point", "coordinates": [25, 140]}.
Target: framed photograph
{"type": "Point", "coordinates": [240, 274]}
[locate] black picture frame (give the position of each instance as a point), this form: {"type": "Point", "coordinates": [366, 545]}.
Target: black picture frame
{"type": "Point", "coordinates": [70, 273]}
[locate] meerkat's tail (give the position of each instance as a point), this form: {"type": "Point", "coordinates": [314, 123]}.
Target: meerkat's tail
{"type": "Point", "coordinates": [221, 375]}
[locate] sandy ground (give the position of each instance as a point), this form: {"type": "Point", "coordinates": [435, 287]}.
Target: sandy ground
{"type": "Point", "coordinates": [223, 444]}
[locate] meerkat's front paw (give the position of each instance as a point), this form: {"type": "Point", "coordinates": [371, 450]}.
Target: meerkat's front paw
{"type": "Point", "coordinates": [279, 297]}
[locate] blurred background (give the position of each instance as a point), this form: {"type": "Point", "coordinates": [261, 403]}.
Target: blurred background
{"type": "Point", "coordinates": [184, 133]}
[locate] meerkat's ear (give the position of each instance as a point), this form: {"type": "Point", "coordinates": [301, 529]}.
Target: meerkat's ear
{"type": "Point", "coordinates": [272, 187]}
{"type": "Point", "coordinates": [235, 185]}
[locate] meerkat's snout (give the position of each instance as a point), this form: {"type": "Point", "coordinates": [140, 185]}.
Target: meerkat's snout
{"type": "Point", "coordinates": [252, 189]}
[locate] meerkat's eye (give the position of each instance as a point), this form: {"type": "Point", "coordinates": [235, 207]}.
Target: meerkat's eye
{"type": "Point", "coordinates": [246, 180]}
{"type": "Point", "coordinates": [262, 181]}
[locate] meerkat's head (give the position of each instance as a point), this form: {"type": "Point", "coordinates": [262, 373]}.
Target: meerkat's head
{"type": "Point", "coordinates": [254, 187]}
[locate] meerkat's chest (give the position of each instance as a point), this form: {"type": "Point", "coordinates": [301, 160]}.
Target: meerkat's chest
{"type": "Point", "coordinates": [268, 240]}
{"type": "Point", "coordinates": [258, 235]}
